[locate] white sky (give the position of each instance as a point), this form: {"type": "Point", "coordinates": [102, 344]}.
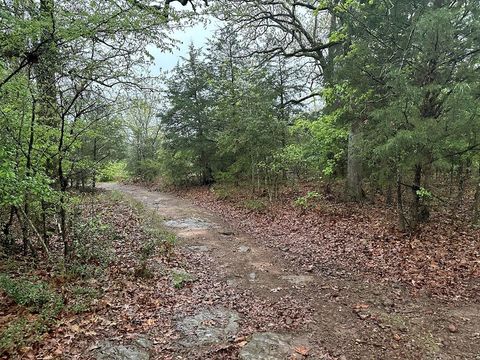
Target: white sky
{"type": "Point", "coordinates": [198, 34]}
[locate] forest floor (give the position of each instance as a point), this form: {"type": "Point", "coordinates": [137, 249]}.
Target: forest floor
{"type": "Point", "coordinates": [263, 285]}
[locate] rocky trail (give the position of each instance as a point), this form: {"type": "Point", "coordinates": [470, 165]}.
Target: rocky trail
{"type": "Point", "coordinates": [331, 314]}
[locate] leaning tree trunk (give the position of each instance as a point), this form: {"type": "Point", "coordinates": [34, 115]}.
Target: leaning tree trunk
{"type": "Point", "coordinates": [354, 164]}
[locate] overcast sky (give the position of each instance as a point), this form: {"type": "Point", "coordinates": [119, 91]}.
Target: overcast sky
{"type": "Point", "coordinates": [198, 34]}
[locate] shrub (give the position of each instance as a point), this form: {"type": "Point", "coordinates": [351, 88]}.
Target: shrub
{"type": "Point", "coordinates": [221, 192]}
{"type": "Point", "coordinates": [308, 201]}
{"type": "Point", "coordinates": [32, 295]}
{"type": "Point", "coordinates": [180, 278]}
{"type": "Point", "coordinates": [114, 171]}
{"type": "Point", "coordinates": [255, 205]}
{"type": "Point", "coordinates": [83, 298]}
{"type": "Point", "coordinates": [40, 299]}
{"type": "Point", "coordinates": [92, 241]}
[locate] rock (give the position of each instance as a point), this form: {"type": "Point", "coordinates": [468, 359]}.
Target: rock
{"type": "Point", "coordinates": [270, 346]}
{"type": "Point", "coordinates": [452, 328]}
{"type": "Point", "coordinates": [209, 326]}
{"type": "Point", "coordinates": [110, 351]}
{"type": "Point", "coordinates": [227, 232]}
{"type": "Point", "coordinates": [363, 315]}
{"type": "Point", "coordinates": [231, 282]}
{"type": "Point", "coordinates": [298, 279]}
{"type": "Point", "coordinates": [191, 223]}
{"type": "Point", "coordinates": [198, 248]}
{"type": "Point", "coordinates": [288, 320]}
{"type": "Point", "coordinates": [252, 276]}
{"type": "Point", "coordinates": [243, 249]}
{"type": "Point", "coordinates": [342, 357]}
{"type": "Point", "coordinates": [144, 342]}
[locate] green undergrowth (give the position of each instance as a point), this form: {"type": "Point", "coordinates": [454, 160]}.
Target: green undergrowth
{"type": "Point", "coordinates": [41, 304]}
{"type": "Point", "coordinates": [40, 292]}
{"type": "Point", "coordinates": [158, 240]}
{"type": "Point", "coordinates": [180, 278]}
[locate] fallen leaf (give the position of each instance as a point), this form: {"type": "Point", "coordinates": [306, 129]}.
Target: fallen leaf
{"type": "Point", "coordinates": [302, 350]}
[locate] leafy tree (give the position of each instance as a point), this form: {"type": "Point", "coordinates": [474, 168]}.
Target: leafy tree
{"type": "Point", "coordinates": [187, 125]}
{"type": "Point", "coordinates": [62, 66]}
{"type": "Point", "coordinates": [411, 74]}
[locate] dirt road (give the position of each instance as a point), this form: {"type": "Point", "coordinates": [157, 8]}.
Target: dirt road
{"type": "Point", "coordinates": [343, 316]}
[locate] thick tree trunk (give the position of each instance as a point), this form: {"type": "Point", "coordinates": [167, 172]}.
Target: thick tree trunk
{"type": "Point", "coordinates": [354, 165]}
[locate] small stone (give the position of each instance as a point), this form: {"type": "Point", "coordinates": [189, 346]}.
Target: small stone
{"type": "Point", "coordinates": [269, 346]}
{"type": "Point", "coordinates": [199, 248]}
{"type": "Point", "coordinates": [452, 328]}
{"type": "Point", "coordinates": [288, 320]}
{"type": "Point", "coordinates": [189, 224]}
{"type": "Point", "coordinates": [109, 351]}
{"type": "Point", "coordinates": [363, 315]}
{"type": "Point", "coordinates": [243, 249]}
{"type": "Point", "coordinates": [342, 357]}
{"type": "Point", "coordinates": [144, 342]}
{"type": "Point", "coordinates": [208, 326]}
{"type": "Point", "coordinates": [226, 232]}
{"type": "Point", "coordinates": [252, 276]}
{"type": "Point", "coordinates": [298, 279]}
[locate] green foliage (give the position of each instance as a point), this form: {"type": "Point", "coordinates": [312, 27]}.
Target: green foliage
{"type": "Point", "coordinates": [114, 171]}
{"type": "Point", "coordinates": [93, 247]}
{"type": "Point", "coordinates": [147, 169]}
{"type": "Point", "coordinates": [222, 191]}
{"type": "Point", "coordinates": [408, 85]}
{"type": "Point", "coordinates": [14, 335]}
{"type": "Point", "coordinates": [320, 145]}
{"type": "Point", "coordinates": [187, 125]}
{"type": "Point", "coordinates": [35, 295]}
{"type": "Point", "coordinates": [255, 205]}
{"type": "Point", "coordinates": [39, 298]}
{"type": "Point", "coordinates": [424, 194]}
{"type": "Point", "coordinates": [82, 299]}
{"type": "Point", "coordinates": [308, 201]}
{"type": "Point", "coordinates": [180, 278]}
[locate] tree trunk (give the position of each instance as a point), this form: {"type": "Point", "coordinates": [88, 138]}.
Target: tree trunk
{"type": "Point", "coordinates": [354, 165]}
{"type": "Point", "coordinates": [476, 202]}
{"type": "Point", "coordinates": [63, 182]}
{"type": "Point", "coordinates": [420, 212]}
{"type": "Point", "coordinates": [7, 238]}
{"type": "Point", "coordinates": [401, 214]}
{"type": "Point", "coordinates": [389, 195]}
{"type": "Point", "coordinates": [94, 171]}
